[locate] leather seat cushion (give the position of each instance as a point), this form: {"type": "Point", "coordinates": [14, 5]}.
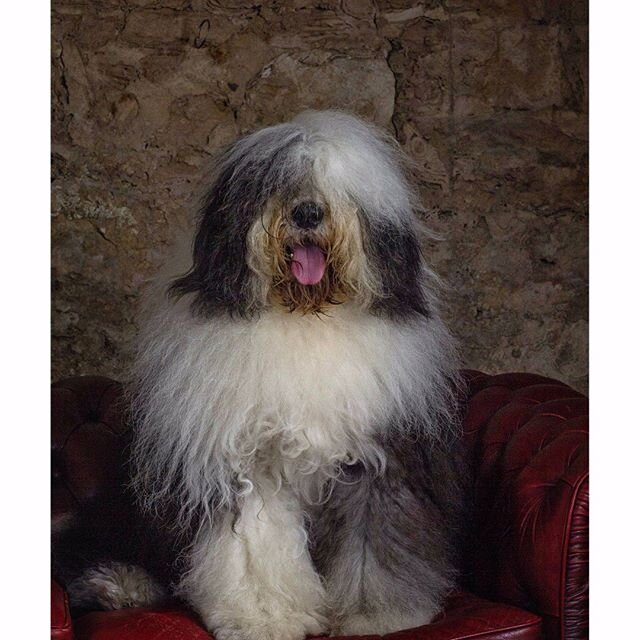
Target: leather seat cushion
{"type": "Point", "coordinates": [466, 616]}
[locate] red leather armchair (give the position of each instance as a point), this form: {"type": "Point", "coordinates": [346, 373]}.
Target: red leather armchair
{"type": "Point", "coordinates": [528, 556]}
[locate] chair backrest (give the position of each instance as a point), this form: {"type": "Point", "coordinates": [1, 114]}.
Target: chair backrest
{"type": "Point", "coordinates": [88, 436]}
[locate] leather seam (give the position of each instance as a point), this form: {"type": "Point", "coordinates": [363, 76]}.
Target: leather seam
{"type": "Point", "coordinates": [81, 424]}
{"type": "Point", "coordinates": [565, 550]}
{"type": "Point", "coordinates": [491, 632]}
{"type": "Point", "coordinates": [66, 624]}
{"type": "Point", "coordinates": [527, 464]}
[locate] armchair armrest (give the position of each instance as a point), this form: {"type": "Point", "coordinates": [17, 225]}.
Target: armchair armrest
{"type": "Point", "coordinates": [528, 438]}
{"type": "Point", "coordinates": [88, 430]}
{"type": "Point", "coordinates": [61, 628]}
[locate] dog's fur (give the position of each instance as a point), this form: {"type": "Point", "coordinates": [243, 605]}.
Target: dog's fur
{"type": "Point", "coordinates": [302, 439]}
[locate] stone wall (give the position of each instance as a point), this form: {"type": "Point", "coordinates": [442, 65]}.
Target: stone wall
{"type": "Point", "coordinates": [488, 97]}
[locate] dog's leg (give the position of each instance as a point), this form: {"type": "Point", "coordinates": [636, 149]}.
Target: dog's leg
{"type": "Point", "coordinates": [383, 544]}
{"type": "Point", "coordinates": [251, 576]}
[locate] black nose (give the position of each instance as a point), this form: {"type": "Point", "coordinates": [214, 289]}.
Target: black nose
{"type": "Point", "coordinates": [307, 215]}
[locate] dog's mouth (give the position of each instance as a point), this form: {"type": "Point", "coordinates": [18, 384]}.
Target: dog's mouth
{"type": "Point", "coordinates": [308, 263]}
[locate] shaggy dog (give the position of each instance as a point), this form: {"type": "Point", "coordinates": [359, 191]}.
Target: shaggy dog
{"type": "Point", "coordinates": [294, 397]}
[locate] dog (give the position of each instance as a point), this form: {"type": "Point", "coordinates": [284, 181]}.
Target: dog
{"type": "Point", "coordinates": [294, 398]}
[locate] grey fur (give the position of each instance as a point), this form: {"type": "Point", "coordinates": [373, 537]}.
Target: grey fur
{"type": "Point", "coordinates": [246, 175]}
{"type": "Point", "coordinates": [388, 544]}
{"type": "Point", "coordinates": [309, 461]}
{"type": "Point", "coordinates": [114, 585]}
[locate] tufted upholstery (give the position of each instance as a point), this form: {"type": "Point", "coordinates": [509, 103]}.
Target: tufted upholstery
{"type": "Point", "coordinates": [528, 556]}
{"type": "Point", "coordinates": [87, 432]}
{"type": "Point", "coordinates": [528, 438]}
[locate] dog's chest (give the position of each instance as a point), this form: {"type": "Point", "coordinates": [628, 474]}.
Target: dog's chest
{"type": "Point", "coordinates": [309, 391]}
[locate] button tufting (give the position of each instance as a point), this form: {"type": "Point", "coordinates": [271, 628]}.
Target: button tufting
{"type": "Point", "coordinates": [528, 439]}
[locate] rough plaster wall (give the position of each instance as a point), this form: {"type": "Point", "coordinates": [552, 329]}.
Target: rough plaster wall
{"type": "Point", "coordinates": [489, 97]}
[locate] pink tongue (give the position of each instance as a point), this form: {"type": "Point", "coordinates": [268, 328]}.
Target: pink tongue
{"type": "Point", "coordinates": [308, 264]}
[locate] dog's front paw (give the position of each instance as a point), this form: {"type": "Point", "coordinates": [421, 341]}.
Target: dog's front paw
{"type": "Point", "coordinates": [295, 626]}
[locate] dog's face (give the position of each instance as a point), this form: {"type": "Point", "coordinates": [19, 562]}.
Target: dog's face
{"type": "Point", "coordinates": [307, 215]}
{"type": "Point", "coordinates": [306, 253]}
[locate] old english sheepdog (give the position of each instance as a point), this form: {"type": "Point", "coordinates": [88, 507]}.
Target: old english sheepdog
{"type": "Point", "coordinates": [294, 394]}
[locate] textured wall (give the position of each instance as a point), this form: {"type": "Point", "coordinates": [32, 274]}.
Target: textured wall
{"type": "Point", "coordinates": [489, 97]}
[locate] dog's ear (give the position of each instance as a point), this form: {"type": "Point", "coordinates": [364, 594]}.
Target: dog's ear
{"type": "Point", "coordinates": [395, 255]}
{"type": "Point", "coordinates": [219, 274]}
{"type": "Point", "coordinates": [247, 174]}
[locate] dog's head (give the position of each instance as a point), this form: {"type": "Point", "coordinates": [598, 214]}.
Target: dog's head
{"type": "Point", "coordinates": [306, 215]}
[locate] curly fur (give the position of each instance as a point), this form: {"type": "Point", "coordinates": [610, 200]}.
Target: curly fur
{"type": "Point", "coordinates": [281, 420]}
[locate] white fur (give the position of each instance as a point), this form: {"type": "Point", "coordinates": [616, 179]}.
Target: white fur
{"type": "Point", "coordinates": [356, 161]}
{"type": "Point", "coordinates": [253, 579]}
{"type": "Point", "coordinates": [282, 394]}
{"type": "Point", "coordinates": [252, 419]}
